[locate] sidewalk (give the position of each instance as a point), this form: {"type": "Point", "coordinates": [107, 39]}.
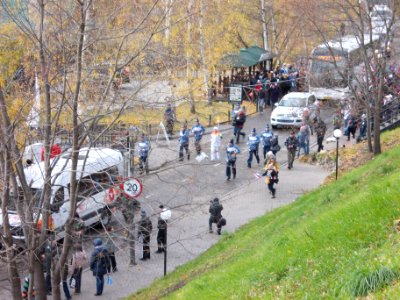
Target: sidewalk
{"type": "Point", "coordinates": [188, 233]}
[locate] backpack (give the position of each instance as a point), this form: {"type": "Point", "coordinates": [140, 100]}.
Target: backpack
{"type": "Point", "coordinates": [274, 140]}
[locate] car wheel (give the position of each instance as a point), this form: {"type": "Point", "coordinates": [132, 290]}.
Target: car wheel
{"type": "Point", "coordinates": [274, 126]}
{"type": "Point", "coordinates": [105, 217]}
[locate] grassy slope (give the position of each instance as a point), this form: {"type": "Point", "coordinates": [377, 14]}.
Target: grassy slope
{"type": "Point", "coordinates": [314, 248]}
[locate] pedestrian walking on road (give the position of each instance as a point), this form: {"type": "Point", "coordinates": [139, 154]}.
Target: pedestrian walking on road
{"type": "Point", "coordinates": [291, 144]}
{"type": "Point", "coordinates": [271, 179]}
{"type": "Point", "coordinates": [99, 264]}
{"type": "Point", "coordinates": [79, 260]}
{"type": "Point", "coordinates": [231, 151]}
{"type": "Point", "coordinates": [337, 120]}
{"type": "Point", "coordinates": [303, 138]}
{"type": "Point", "coordinates": [144, 149]}
{"type": "Point", "coordinates": [64, 279]}
{"type": "Point", "coordinates": [169, 117]}
{"type": "Point", "coordinates": [266, 137]}
{"type": "Point", "coordinates": [216, 216]}
{"type": "Point", "coordinates": [49, 251]}
{"type": "Point", "coordinates": [238, 123]}
{"type": "Point", "coordinates": [275, 147]}
{"type": "Point", "coordinates": [320, 129]}
{"type": "Point", "coordinates": [184, 142]}
{"type": "Point", "coordinates": [253, 141]}
{"type": "Point", "coordinates": [198, 131]}
{"type": "Point", "coordinates": [110, 246]}
{"type": "Point", "coordinates": [271, 159]}
{"type": "Point", "coordinates": [162, 232]}
{"type": "Point", "coordinates": [216, 138]}
{"type": "Point", "coordinates": [144, 232]}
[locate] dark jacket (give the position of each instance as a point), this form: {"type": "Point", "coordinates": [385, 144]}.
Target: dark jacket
{"type": "Point", "coordinates": [99, 261]}
{"type": "Point", "coordinates": [145, 228]}
{"type": "Point", "coordinates": [161, 225]}
{"type": "Point", "coordinates": [215, 210]}
{"type": "Point", "coordinates": [291, 143]}
{"type": "Point", "coordinates": [320, 129]}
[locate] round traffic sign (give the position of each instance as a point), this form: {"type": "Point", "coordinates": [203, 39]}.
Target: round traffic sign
{"type": "Point", "coordinates": [133, 188]}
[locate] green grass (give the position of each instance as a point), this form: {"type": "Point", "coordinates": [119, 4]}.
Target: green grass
{"type": "Point", "coordinates": [337, 242]}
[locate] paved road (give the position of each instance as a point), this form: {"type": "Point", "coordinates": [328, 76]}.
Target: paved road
{"type": "Point", "coordinates": [187, 188]}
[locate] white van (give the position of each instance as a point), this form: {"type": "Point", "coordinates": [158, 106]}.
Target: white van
{"type": "Point", "coordinates": [97, 170]}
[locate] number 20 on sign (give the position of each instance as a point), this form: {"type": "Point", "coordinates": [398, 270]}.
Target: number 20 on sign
{"type": "Point", "coordinates": [133, 187]}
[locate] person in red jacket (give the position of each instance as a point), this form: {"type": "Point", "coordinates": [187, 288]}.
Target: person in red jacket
{"type": "Point", "coordinates": [55, 150]}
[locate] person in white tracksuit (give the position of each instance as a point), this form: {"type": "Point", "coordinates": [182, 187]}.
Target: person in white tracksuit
{"type": "Point", "coordinates": [215, 144]}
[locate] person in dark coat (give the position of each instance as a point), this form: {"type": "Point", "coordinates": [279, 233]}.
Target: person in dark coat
{"type": "Point", "coordinates": [274, 94]}
{"type": "Point", "coordinates": [291, 144]}
{"type": "Point", "coordinates": [111, 248]}
{"type": "Point", "coordinates": [162, 231]}
{"type": "Point", "coordinates": [238, 123]}
{"type": "Point", "coordinates": [144, 231]}
{"type": "Point", "coordinates": [215, 215]}
{"type": "Point", "coordinates": [99, 264]}
{"type": "Point", "coordinates": [320, 129]}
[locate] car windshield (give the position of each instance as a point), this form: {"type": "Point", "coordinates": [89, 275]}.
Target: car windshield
{"type": "Point", "coordinates": [293, 102]}
{"type": "Point", "coordinates": [326, 74]}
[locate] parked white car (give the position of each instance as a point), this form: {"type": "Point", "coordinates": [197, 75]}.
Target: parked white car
{"type": "Point", "coordinates": [95, 173]}
{"type": "Point", "coordinates": [289, 111]}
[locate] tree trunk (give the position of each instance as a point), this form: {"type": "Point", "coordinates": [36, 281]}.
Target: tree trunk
{"type": "Point", "coordinates": [274, 32]}
{"type": "Point", "coordinates": [131, 238]}
{"type": "Point", "coordinates": [264, 25]}
{"type": "Point", "coordinates": [189, 81]}
{"type": "Point", "coordinates": [369, 136]}
{"type": "Point", "coordinates": [8, 240]}
{"type": "Point", "coordinates": [168, 12]}
{"type": "Point", "coordinates": [203, 55]}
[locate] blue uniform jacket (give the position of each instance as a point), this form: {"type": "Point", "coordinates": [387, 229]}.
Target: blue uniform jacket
{"type": "Point", "coordinates": [253, 141]}
{"type": "Point", "coordinates": [144, 148]}
{"type": "Point", "coordinates": [266, 137]}
{"type": "Point", "coordinates": [184, 137]}
{"type": "Point", "coordinates": [231, 152]}
{"type": "Point", "coordinates": [198, 131]}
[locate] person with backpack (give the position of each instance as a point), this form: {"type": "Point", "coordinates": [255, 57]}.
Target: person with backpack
{"type": "Point", "coordinates": [271, 179]}
{"type": "Point", "coordinates": [238, 124]}
{"type": "Point", "coordinates": [275, 147]}
{"type": "Point", "coordinates": [266, 137]}
{"type": "Point", "coordinates": [231, 151]}
{"type": "Point", "coordinates": [253, 141]}
{"type": "Point", "coordinates": [99, 264]}
{"type": "Point", "coordinates": [216, 216]}
{"type": "Point", "coordinates": [291, 145]}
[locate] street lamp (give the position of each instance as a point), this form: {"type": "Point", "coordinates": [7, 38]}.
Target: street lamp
{"type": "Point", "coordinates": [337, 133]}
{"type": "Point", "coordinates": [165, 215]}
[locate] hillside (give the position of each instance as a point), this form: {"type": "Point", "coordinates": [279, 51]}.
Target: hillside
{"type": "Point", "coordinates": [340, 241]}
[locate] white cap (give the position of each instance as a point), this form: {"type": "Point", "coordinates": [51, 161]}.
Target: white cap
{"type": "Point", "coordinates": [215, 128]}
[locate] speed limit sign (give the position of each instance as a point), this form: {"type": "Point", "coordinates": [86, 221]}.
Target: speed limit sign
{"type": "Point", "coordinates": [133, 188]}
